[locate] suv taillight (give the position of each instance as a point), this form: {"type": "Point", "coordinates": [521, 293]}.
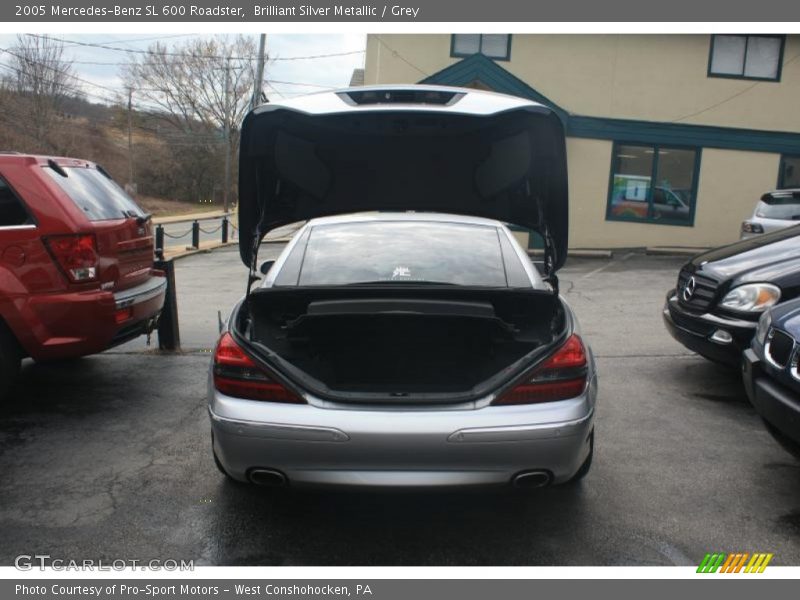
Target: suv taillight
{"type": "Point", "coordinates": [235, 374]}
{"type": "Point", "coordinates": [748, 227]}
{"type": "Point", "coordinates": [75, 254]}
{"type": "Point", "coordinates": [560, 377]}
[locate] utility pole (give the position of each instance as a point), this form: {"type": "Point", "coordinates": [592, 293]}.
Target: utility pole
{"type": "Point", "coordinates": [227, 128]}
{"type": "Point", "coordinates": [131, 183]}
{"type": "Point", "coordinates": [259, 79]}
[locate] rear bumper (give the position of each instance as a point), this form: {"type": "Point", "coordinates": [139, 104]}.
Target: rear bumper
{"type": "Point", "coordinates": [777, 404]}
{"type": "Point", "coordinates": [318, 445]}
{"type": "Point", "coordinates": [74, 324]}
{"type": "Point", "coordinates": [694, 331]}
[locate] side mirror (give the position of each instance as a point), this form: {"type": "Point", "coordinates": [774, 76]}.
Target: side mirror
{"type": "Point", "coordinates": [266, 266]}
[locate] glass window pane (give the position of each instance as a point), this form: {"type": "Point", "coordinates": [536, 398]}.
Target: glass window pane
{"type": "Point", "coordinates": [516, 274]}
{"type": "Point", "coordinates": [790, 172]}
{"type": "Point", "coordinates": [403, 252]}
{"type": "Point", "coordinates": [763, 56]}
{"type": "Point", "coordinates": [778, 207]}
{"type": "Point", "coordinates": [728, 56]}
{"type": "Point", "coordinates": [630, 188]}
{"type": "Point", "coordinates": [99, 197]}
{"type": "Point", "coordinates": [466, 43]}
{"type": "Point", "coordinates": [11, 210]}
{"type": "Point", "coordinates": [674, 184]}
{"type": "Point", "coordinates": [494, 45]}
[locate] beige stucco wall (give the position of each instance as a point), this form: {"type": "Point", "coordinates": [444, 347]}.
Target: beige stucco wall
{"type": "Point", "coordinates": [729, 185]}
{"type": "Point", "coordinates": [650, 77]}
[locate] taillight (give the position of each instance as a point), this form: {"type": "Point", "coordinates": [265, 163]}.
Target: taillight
{"type": "Point", "coordinates": [235, 374]}
{"type": "Point", "coordinates": [76, 255]}
{"type": "Point", "coordinates": [561, 376]}
{"type": "Point", "coordinates": [748, 227]}
{"type": "Point", "coordinates": [123, 314]}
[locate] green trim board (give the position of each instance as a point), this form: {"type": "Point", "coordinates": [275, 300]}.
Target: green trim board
{"type": "Point", "coordinates": [707, 136]}
{"type": "Point", "coordinates": [480, 68]}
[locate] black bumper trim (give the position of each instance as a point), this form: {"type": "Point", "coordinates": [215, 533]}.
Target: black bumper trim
{"type": "Point", "coordinates": [149, 289]}
{"type": "Point", "coordinates": [693, 332]}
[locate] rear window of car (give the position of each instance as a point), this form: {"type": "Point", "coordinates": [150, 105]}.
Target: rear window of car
{"type": "Point", "coordinates": [786, 208]}
{"type": "Point", "coordinates": [94, 193]}
{"type": "Point", "coordinates": [400, 252]}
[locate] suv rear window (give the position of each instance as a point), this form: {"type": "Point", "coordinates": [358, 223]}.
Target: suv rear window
{"type": "Point", "coordinates": [400, 252]}
{"type": "Point", "coordinates": [779, 206]}
{"type": "Point", "coordinates": [95, 194]}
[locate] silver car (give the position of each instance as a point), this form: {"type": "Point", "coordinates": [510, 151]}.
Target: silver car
{"type": "Point", "coordinates": [774, 211]}
{"type": "Point", "coordinates": [414, 344]}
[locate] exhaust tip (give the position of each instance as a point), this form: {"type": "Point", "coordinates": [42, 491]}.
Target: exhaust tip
{"type": "Point", "coordinates": [531, 479]}
{"type": "Point", "coordinates": [267, 477]}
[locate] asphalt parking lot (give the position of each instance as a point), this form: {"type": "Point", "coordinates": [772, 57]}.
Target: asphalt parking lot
{"type": "Point", "coordinates": [109, 457]}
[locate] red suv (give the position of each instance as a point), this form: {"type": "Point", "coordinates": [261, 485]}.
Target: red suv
{"type": "Point", "coordinates": [76, 262]}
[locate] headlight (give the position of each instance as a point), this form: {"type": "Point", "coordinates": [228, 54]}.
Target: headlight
{"type": "Point", "coordinates": [752, 297]}
{"type": "Point", "coordinates": [764, 324]}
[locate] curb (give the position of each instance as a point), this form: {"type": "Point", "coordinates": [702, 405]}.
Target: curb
{"type": "Point", "coordinates": [204, 216]}
{"type": "Point", "coordinates": [192, 251]}
{"type": "Point", "coordinates": [672, 251]}
{"type": "Point", "coordinates": [578, 253]}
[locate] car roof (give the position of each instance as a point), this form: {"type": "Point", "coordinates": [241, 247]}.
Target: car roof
{"type": "Point", "coordinates": [461, 100]}
{"type": "Point", "coordinates": [10, 156]}
{"type": "Point", "coordinates": [386, 217]}
{"type": "Point", "coordinates": [782, 192]}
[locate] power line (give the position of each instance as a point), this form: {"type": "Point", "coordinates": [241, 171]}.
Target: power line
{"type": "Point", "coordinates": [400, 56]}
{"type": "Point", "coordinates": [88, 94]}
{"type": "Point", "coordinates": [731, 97]}
{"type": "Point", "coordinates": [52, 68]}
{"type": "Point", "coordinates": [115, 100]}
{"type": "Point", "coordinates": [317, 56]}
{"type": "Point", "coordinates": [313, 85]}
{"type": "Point", "coordinates": [150, 39]}
{"type": "Point", "coordinates": [189, 54]}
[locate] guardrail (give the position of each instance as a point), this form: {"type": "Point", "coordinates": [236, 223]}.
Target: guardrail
{"type": "Point", "coordinates": [225, 227]}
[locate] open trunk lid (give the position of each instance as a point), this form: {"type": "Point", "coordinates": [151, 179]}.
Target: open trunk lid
{"type": "Point", "coordinates": [415, 148]}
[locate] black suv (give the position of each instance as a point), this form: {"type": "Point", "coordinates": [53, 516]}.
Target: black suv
{"type": "Point", "coordinates": [721, 293]}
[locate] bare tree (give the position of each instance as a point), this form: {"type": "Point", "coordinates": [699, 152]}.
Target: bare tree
{"type": "Point", "coordinates": [41, 80]}
{"type": "Point", "coordinates": [201, 89]}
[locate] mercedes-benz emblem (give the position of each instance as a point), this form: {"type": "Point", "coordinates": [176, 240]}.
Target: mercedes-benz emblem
{"type": "Point", "coordinates": [688, 289]}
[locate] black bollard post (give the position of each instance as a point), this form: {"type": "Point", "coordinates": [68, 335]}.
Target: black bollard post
{"type": "Point", "coordinates": [169, 335]}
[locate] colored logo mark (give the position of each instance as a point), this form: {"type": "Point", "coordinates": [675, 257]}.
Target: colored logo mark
{"type": "Point", "coordinates": [736, 562]}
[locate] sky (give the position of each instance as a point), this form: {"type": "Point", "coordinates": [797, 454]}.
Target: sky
{"type": "Point", "coordinates": [317, 74]}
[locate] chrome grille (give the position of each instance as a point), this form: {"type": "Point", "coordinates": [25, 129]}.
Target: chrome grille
{"type": "Point", "coordinates": [705, 291]}
{"type": "Point", "coordinates": [779, 348]}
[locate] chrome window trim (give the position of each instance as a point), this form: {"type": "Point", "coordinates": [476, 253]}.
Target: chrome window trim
{"type": "Point", "coordinates": [16, 227]}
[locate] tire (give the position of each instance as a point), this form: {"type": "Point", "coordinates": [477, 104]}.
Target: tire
{"type": "Point", "coordinates": [587, 464]}
{"type": "Point", "coordinates": [10, 359]}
